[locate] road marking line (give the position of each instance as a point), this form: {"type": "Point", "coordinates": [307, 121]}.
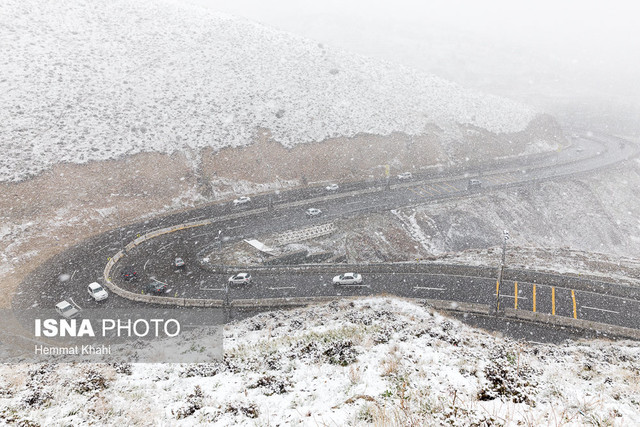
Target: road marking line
{"type": "Point", "coordinates": [424, 192]}
{"type": "Point", "coordinates": [237, 226]}
{"type": "Point", "coordinates": [357, 286]}
{"type": "Point", "coordinates": [198, 235]}
{"type": "Point", "coordinates": [145, 264]}
{"type": "Point", "coordinates": [451, 186]}
{"type": "Point", "coordinates": [553, 300]}
{"type": "Point", "coordinates": [573, 296]}
{"type": "Point", "coordinates": [164, 247]}
{"type": "Point", "coordinates": [497, 293]}
{"type": "Point", "coordinates": [430, 193]}
{"type": "Point", "coordinates": [445, 189]}
{"type": "Point", "coordinates": [282, 287]}
{"type": "Point", "coordinates": [212, 289]}
{"type": "Point", "coordinates": [430, 289]}
{"type": "Point", "coordinates": [509, 296]}
{"type": "Point", "coordinates": [415, 192]}
{"type": "Point", "coordinates": [74, 273]}
{"type": "Point", "coordinates": [600, 309]}
{"type": "Point", "coordinates": [534, 298]}
{"type": "Point", "coordinates": [104, 247]}
{"type": "Point", "coordinates": [495, 179]}
{"type": "Point", "coordinates": [516, 296]}
{"type": "Point", "coordinates": [74, 303]}
{"type": "Point", "coordinates": [435, 190]}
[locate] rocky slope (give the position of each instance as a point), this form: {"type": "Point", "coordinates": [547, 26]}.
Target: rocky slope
{"type": "Point", "coordinates": [97, 80]}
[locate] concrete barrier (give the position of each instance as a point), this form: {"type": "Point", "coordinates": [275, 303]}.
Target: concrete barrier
{"type": "Point", "coordinates": [282, 302]}
{"type": "Point", "coordinates": [462, 307]}
{"type": "Point", "coordinates": [568, 322]}
{"type": "Point", "coordinates": [573, 282]}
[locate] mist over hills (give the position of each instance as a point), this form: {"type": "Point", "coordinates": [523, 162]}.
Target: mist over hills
{"type": "Point", "coordinates": [96, 80]}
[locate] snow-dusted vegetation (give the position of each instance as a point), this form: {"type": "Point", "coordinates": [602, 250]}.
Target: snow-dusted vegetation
{"type": "Point", "coordinates": [378, 360]}
{"type": "Point", "coordinates": [94, 80]}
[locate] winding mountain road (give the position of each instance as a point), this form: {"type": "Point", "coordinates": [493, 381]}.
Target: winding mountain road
{"type": "Point", "coordinates": [66, 276]}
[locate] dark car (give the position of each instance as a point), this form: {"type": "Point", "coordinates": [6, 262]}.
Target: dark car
{"type": "Point", "coordinates": [474, 184]}
{"type": "Point", "coordinates": [155, 288]}
{"type": "Point", "coordinates": [130, 274]}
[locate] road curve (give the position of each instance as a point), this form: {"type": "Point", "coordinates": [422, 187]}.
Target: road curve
{"type": "Point", "coordinates": [273, 213]}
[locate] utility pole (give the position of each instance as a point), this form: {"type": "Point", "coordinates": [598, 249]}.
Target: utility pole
{"type": "Point", "coordinates": [226, 303]}
{"type": "Point", "coordinates": [227, 308]}
{"type": "Point", "coordinates": [505, 238]}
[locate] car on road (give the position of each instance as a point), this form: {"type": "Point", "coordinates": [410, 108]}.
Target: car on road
{"type": "Point", "coordinates": [313, 212]}
{"type": "Point", "coordinates": [130, 274]}
{"type": "Point", "coordinates": [348, 279]}
{"type": "Point", "coordinates": [332, 187]}
{"type": "Point", "coordinates": [97, 292]}
{"type": "Point", "coordinates": [155, 288]}
{"type": "Point", "coordinates": [405, 176]}
{"type": "Point", "coordinates": [240, 278]}
{"type": "Point", "coordinates": [178, 262]}
{"type": "Point", "coordinates": [67, 310]}
{"type": "Point", "coordinates": [474, 184]}
{"type": "Point", "coordinates": [241, 201]}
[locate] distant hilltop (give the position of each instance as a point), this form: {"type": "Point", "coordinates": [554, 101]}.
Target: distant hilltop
{"type": "Point", "coordinates": [96, 79]}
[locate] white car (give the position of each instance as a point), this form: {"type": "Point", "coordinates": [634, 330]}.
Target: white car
{"type": "Point", "coordinates": [67, 310]}
{"type": "Point", "coordinates": [178, 262]}
{"type": "Point", "coordinates": [97, 292]}
{"type": "Point", "coordinates": [348, 279]}
{"type": "Point", "coordinates": [311, 212]}
{"type": "Point", "coordinates": [332, 187]}
{"type": "Point", "coordinates": [240, 279]}
{"type": "Point", "coordinates": [241, 201]}
{"type": "Point", "coordinates": [404, 176]}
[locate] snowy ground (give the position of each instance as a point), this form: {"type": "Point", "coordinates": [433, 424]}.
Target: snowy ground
{"type": "Point", "coordinates": [374, 361]}
{"type": "Point", "coordinates": [95, 80]}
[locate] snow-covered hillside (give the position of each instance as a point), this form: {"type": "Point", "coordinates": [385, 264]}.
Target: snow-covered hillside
{"type": "Point", "coordinates": [377, 361]}
{"type": "Point", "coordinates": [85, 80]}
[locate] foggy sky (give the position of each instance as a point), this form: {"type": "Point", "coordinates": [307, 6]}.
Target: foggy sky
{"type": "Point", "coordinates": [551, 54]}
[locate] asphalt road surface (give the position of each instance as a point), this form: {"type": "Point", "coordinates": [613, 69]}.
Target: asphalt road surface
{"type": "Point", "coordinates": [67, 275]}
